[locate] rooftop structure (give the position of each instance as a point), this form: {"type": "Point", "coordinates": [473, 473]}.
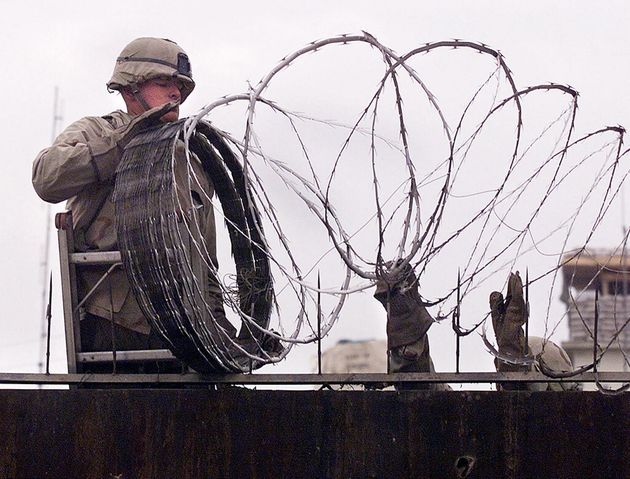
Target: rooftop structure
{"type": "Point", "coordinates": [597, 285]}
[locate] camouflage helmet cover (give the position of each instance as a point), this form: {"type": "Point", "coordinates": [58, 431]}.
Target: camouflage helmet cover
{"type": "Point", "coordinates": [146, 58]}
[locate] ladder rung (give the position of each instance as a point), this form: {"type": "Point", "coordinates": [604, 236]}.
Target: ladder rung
{"type": "Point", "coordinates": [140, 355]}
{"type": "Point", "coordinates": [97, 257]}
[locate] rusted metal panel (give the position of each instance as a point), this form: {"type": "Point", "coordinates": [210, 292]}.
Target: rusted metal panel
{"type": "Point", "coordinates": [241, 433]}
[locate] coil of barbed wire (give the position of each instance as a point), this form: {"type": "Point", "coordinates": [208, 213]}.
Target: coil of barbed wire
{"type": "Point", "coordinates": [163, 228]}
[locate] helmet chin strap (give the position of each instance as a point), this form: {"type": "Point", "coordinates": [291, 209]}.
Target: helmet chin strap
{"type": "Point", "coordinates": [135, 91]}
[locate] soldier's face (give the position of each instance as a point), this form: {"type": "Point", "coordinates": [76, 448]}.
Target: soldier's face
{"type": "Point", "coordinates": [158, 91]}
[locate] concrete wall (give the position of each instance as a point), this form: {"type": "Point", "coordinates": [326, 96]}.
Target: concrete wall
{"type": "Point", "coordinates": [240, 433]}
{"type": "Point", "coordinates": [581, 354]}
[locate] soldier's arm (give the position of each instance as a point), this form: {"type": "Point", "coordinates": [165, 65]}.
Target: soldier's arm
{"type": "Point", "coordinates": [87, 152]}
{"type": "Point", "coordinates": [83, 155]}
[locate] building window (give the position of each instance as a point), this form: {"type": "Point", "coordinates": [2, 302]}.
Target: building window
{"type": "Point", "coordinates": [618, 288]}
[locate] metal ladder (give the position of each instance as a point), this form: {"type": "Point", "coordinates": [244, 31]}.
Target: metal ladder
{"type": "Point", "coordinates": [72, 261]}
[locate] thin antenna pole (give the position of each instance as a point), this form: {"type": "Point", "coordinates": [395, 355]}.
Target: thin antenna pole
{"type": "Point", "coordinates": [45, 266]}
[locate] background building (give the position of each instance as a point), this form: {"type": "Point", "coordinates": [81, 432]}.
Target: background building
{"type": "Point", "coordinates": [608, 273]}
{"type": "Point", "coordinates": [356, 357]}
{"type": "Point", "coordinates": [348, 356]}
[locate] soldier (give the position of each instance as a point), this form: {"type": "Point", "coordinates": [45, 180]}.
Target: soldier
{"type": "Point", "coordinates": [154, 77]}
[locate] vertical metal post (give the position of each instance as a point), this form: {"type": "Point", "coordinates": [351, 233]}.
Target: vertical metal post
{"type": "Point", "coordinates": [319, 325]}
{"type": "Point", "coordinates": [595, 328]}
{"type": "Point", "coordinates": [49, 320]}
{"type": "Point", "coordinates": [111, 318]}
{"type": "Point", "coordinates": [457, 320]}
{"type": "Point", "coordinates": [527, 312]}
{"type": "Point", "coordinates": [250, 362]}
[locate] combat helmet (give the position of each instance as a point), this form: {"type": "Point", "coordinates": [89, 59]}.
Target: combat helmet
{"type": "Point", "coordinates": [147, 57]}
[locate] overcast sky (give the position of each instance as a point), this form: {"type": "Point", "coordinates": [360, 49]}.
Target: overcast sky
{"type": "Point", "coordinates": [72, 45]}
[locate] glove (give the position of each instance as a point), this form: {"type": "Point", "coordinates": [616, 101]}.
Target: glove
{"type": "Point", "coordinates": [508, 317]}
{"type": "Point", "coordinates": [107, 151]}
{"type": "Point", "coordinates": [407, 319]}
{"type": "Point", "coordinates": [400, 291]}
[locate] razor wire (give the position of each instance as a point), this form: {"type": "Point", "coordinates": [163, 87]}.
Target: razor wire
{"type": "Point", "coordinates": [431, 211]}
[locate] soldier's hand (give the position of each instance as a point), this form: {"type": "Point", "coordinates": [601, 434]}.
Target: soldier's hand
{"type": "Point", "coordinates": [399, 289]}
{"type": "Point", "coordinates": [497, 311]}
{"type": "Point", "coordinates": [515, 307]}
{"type": "Point", "coordinates": [508, 316]}
{"type": "Point", "coordinates": [108, 149]}
{"type": "Point", "coordinates": [141, 122]}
